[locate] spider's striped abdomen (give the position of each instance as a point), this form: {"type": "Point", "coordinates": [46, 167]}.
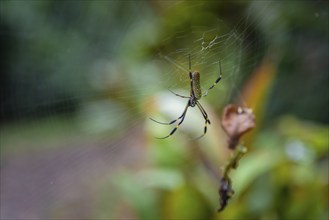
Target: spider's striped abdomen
{"type": "Point", "coordinates": [196, 88]}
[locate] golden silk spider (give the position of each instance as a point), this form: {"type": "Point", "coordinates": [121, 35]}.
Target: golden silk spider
{"type": "Point", "coordinates": [195, 95]}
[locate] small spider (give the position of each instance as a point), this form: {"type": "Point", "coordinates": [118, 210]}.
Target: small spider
{"type": "Point", "coordinates": [195, 95]}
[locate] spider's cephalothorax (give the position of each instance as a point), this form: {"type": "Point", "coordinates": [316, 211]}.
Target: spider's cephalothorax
{"type": "Point", "coordinates": [195, 95]}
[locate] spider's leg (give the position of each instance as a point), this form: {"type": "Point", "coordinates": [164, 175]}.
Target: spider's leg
{"type": "Point", "coordinates": [217, 80]}
{"type": "Point", "coordinates": [163, 123]}
{"type": "Point", "coordinates": [204, 113]}
{"type": "Point", "coordinates": [207, 121]}
{"type": "Point", "coordinates": [181, 121]}
{"type": "Point", "coordinates": [182, 96]}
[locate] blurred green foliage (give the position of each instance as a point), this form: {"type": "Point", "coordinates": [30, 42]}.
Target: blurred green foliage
{"type": "Point", "coordinates": [53, 52]}
{"type": "Point", "coordinates": [285, 176]}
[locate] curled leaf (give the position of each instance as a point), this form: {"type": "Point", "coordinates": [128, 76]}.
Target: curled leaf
{"type": "Point", "coordinates": [225, 192]}
{"type": "Point", "coordinates": [226, 189]}
{"type": "Point", "coordinates": [236, 121]}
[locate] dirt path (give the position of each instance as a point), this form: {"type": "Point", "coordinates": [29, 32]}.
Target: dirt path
{"type": "Point", "coordinates": [60, 182]}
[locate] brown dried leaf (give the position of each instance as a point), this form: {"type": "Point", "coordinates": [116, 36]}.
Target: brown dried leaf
{"type": "Point", "coordinates": [236, 121]}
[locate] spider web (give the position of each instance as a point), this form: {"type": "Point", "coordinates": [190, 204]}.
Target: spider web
{"type": "Point", "coordinates": [208, 53]}
{"type": "Point", "coordinates": [209, 45]}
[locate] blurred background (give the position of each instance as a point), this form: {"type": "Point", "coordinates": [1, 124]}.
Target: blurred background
{"type": "Point", "coordinates": [80, 79]}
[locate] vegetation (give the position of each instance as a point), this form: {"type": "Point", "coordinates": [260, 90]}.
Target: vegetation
{"type": "Point", "coordinates": [80, 80]}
